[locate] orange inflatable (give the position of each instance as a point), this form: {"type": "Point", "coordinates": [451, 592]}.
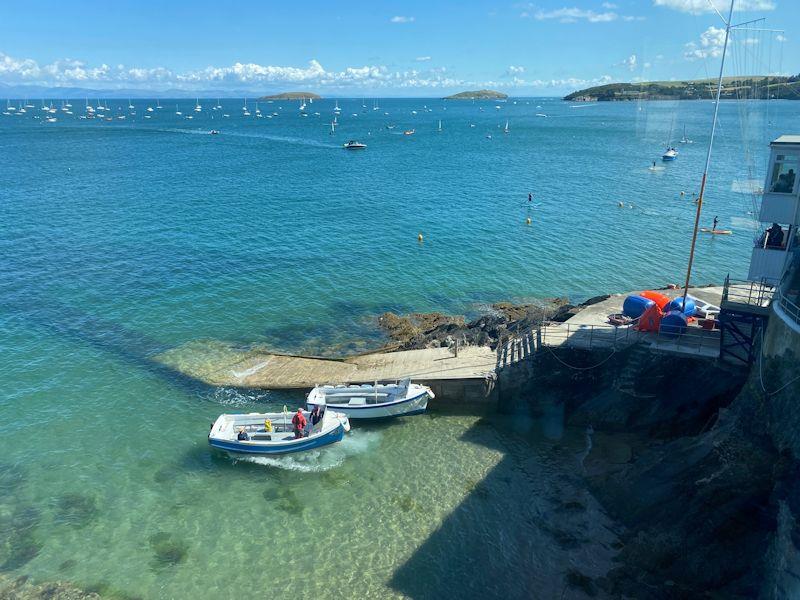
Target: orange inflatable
{"type": "Point", "coordinates": [650, 319]}
{"type": "Point", "coordinates": [660, 299]}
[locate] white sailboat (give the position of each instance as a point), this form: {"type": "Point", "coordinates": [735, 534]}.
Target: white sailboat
{"type": "Point", "coordinates": [440, 126]}
{"type": "Point", "coordinates": [158, 104]}
{"type": "Point", "coordinates": [336, 108]}
{"type": "Point", "coordinates": [684, 139]}
{"type": "Point", "coordinates": [505, 129]}
{"type": "Point", "coordinates": [130, 104]}
{"type": "Point", "coordinates": [177, 111]}
{"type": "Point", "coordinates": [197, 107]}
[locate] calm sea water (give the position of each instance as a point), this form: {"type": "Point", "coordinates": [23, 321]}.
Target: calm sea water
{"type": "Point", "coordinates": [121, 239]}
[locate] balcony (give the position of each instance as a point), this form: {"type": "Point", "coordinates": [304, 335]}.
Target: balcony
{"type": "Point", "coordinates": [766, 264]}
{"type": "Point", "coordinates": [779, 208]}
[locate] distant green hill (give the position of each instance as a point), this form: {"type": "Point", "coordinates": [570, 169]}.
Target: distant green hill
{"type": "Point", "coordinates": [478, 95]}
{"type": "Point", "coordinates": [292, 96]}
{"type": "Point", "coordinates": [759, 87]}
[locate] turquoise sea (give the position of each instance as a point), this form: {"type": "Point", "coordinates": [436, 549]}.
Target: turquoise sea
{"type": "Point", "coordinates": [121, 239]}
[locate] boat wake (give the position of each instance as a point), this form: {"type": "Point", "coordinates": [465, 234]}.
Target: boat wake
{"type": "Point", "coordinates": [283, 139]}
{"type": "Point", "coordinates": [322, 459]}
{"type": "Point", "coordinates": [237, 397]}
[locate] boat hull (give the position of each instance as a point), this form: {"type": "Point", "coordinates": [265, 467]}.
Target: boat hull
{"type": "Point", "coordinates": [289, 447]}
{"type": "Point", "coordinates": [400, 408]}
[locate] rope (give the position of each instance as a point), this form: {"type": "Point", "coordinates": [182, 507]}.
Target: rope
{"type": "Point", "coordinates": [550, 350]}
{"type": "Point", "coordinates": [761, 374]}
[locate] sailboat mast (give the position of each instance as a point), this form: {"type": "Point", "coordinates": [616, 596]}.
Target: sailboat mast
{"type": "Point", "coordinates": [708, 156]}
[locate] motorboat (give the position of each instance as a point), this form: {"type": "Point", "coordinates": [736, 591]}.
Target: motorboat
{"type": "Point", "coordinates": [409, 132]}
{"type": "Point", "coordinates": [214, 132]}
{"type": "Point", "coordinates": [354, 145]}
{"type": "Point", "coordinates": [273, 433]}
{"type": "Point", "coordinates": [670, 154]}
{"type": "Point", "coordinates": [372, 401]}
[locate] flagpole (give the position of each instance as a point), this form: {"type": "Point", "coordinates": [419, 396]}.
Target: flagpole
{"type": "Point", "coordinates": [708, 156]}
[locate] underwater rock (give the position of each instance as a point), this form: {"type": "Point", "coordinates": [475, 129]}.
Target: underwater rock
{"type": "Point", "coordinates": [19, 543]}
{"type": "Point", "coordinates": [67, 565]}
{"type": "Point", "coordinates": [11, 479]}
{"type": "Point", "coordinates": [23, 588]}
{"type": "Point", "coordinates": [577, 580]}
{"type": "Point", "coordinates": [76, 510]}
{"type": "Point", "coordinates": [285, 499]}
{"type": "Point", "coordinates": [168, 550]}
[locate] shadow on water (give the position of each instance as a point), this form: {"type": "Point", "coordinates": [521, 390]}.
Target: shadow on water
{"type": "Point", "coordinates": [520, 532]}
{"type": "Point", "coordinates": [107, 336]}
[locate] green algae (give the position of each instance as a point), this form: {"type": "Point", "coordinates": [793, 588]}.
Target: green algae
{"type": "Point", "coordinates": [19, 542]}
{"type": "Point", "coordinates": [168, 550]}
{"type": "Point", "coordinates": [284, 499]}
{"type": "Point", "coordinates": [76, 510]}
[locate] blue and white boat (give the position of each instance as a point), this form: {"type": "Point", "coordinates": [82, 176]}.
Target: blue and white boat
{"type": "Point", "coordinates": [273, 433]}
{"type": "Point", "coordinates": [373, 401]}
{"type": "Point", "coordinates": [669, 154]}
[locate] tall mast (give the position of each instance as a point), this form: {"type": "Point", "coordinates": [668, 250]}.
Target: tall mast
{"type": "Point", "coordinates": [708, 155]}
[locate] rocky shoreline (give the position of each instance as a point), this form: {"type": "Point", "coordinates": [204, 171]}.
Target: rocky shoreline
{"type": "Point", "coordinates": [433, 330]}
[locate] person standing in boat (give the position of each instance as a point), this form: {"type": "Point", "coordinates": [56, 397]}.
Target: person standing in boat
{"type": "Point", "coordinates": [299, 422]}
{"type": "Point", "coordinates": [714, 226]}
{"type": "Point", "coordinates": [316, 416]}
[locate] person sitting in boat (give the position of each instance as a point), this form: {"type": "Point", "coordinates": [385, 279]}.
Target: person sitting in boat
{"type": "Point", "coordinates": [242, 435]}
{"type": "Point", "coordinates": [774, 236]}
{"type": "Point", "coordinates": [299, 422]}
{"type": "Point", "coordinates": [267, 425]}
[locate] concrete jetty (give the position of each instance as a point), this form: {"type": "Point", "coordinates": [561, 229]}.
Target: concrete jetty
{"type": "Point", "coordinates": [467, 373]}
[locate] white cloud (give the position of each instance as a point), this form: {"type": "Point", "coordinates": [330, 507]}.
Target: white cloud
{"type": "Point", "coordinates": [750, 41]}
{"type": "Point", "coordinates": [711, 42]}
{"type": "Point", "coordinates": [422, 58]}
{"type": "Point", "coordinates": [253, 76]}
{"type": "Point", "coordinates": [780, 38]}
{"type": "Point", "coordinates": [401, 19]}
{"type": "Point", "coordinates": [630, 62]}
{"type": "Point", "coordinates": [574, 14]}
{"type": "Point", "coordinates": [571, 15]}
{"type": "Point", "coordinates": [697, 7]}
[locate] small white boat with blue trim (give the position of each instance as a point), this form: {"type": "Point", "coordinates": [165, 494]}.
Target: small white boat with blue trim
{"type": "Point", "coordinates": [373, 401]}
{"type": "Point", "coordinates": [273, 433]}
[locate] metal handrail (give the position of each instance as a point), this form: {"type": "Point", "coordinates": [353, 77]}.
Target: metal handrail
{"type": "Point", "coordinates": [789, 308]}
{"type": "Point", "coordinates": [757, 293]}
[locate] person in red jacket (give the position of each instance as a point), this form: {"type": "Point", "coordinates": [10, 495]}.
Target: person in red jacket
{"type": "Point", "coordinates": [299, 422]}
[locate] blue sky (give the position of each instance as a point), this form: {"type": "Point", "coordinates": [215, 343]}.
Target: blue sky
{"type": "Point", "coordinates": [546, 47]}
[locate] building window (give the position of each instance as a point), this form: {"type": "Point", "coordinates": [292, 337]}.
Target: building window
{"type": "Point", "coordinates": [784, 174]}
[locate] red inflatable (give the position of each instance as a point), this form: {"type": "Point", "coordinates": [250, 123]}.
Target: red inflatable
{"type": "Point", "coordinates": [660, 299]}
{"type": "Point", "coordinates": [650, 319]}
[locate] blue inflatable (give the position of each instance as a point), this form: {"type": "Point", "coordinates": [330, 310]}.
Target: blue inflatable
{"type": "Point", "coordinates": [673, 324]}
{"type": "Point", "coordinates": [634, 306]}
{"type": "Point", "coordinates": [677, 304]}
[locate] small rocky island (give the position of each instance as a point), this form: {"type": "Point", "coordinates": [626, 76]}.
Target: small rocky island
{"type": "Point", "coordinates": [478, 95]}
{"type": "Point", "coordinates": [292, 96]}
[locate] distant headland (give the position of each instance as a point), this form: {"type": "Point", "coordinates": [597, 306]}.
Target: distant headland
{"type": "Point", "coordinates": [478, 95]}
{"type": "Point", "coordinates": [756, 87]}
{"type": "Point", "coordinates": [292, 96]}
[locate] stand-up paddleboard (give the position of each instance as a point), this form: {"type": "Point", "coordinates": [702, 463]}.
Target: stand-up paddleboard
{"type": "Point", "coordinates": [716, 231]}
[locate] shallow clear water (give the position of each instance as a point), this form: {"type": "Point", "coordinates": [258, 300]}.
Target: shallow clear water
{"type": "Point", "coordinates": [120, 240]}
